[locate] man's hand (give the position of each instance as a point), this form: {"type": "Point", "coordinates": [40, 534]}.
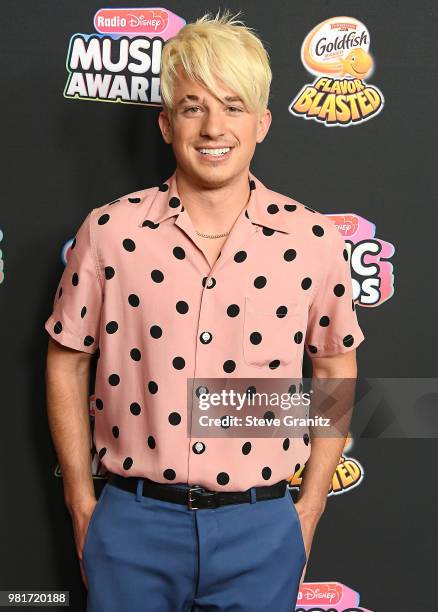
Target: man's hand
{"type": "Point", "coordinates": [81, 518]}
{"type": "Point", "coordinates": [308, 517]}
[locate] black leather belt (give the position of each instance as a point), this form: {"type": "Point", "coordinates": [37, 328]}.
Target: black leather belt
{"type": "Point", "coordinates": [195, 497]}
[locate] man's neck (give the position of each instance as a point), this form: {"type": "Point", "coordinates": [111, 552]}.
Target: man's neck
{"type": "Point", "coordinates": [213, 210]}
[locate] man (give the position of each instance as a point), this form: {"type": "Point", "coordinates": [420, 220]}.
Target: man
{"type": "Point", "coordinates": [210, 275]}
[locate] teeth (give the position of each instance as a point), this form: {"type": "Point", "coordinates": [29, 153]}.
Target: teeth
{"type": "Point", "coordinates": [214, 151]}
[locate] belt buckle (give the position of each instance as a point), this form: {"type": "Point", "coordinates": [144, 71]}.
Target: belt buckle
{"type": "Point", "coordinates": [190, 501]}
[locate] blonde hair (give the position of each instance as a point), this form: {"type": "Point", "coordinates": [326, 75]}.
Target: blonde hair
{"type": "Point", "coordinates": [220, 47]}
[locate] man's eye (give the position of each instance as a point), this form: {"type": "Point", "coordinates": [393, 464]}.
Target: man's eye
{"type": "Point", "coordinates": [191, 110]}
{"type": "Point", "coordinates": [235, 109]}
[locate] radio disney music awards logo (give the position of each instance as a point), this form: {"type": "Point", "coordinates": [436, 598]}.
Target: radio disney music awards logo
{"type": "Point", "coordinates": [349, 472]}
{"type": "Point", "coordinates": [328, 596]}
{"type": "Point", "coordinates": [337, 53]}
{"type": "Point", "coordinates": [372, 273]}
{"type": "Point", "coordinates": [121, 61]}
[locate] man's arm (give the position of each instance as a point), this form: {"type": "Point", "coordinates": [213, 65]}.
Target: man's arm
{"type": "Point", "coordinates": [67, 390]}
{"type": "Point", "coordinates": [325, 451]}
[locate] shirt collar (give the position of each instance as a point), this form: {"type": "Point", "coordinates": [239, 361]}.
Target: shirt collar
{"type": "Point", "coordinates": [263, 208]}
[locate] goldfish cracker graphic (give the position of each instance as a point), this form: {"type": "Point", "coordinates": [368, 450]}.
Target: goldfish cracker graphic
{"type": "Point", "coordinates": [357, 63]}
{"type": "Point", "coordinates": [336, 52]}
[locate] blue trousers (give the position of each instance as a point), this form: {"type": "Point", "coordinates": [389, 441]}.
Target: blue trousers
{"type": "Point", "coordinates": [146, 555]}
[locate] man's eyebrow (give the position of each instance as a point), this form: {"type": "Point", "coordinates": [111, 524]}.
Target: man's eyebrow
{"type": "Point", "coordinates": [194, 98]}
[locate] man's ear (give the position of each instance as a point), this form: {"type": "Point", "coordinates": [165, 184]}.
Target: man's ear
{"type": "Point", "coordinates": [264, 122]}
{"type": "Point", "coordinates": [164, 121]}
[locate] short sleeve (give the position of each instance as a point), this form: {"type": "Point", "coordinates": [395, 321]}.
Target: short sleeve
{"type": "Point", "coordinates": [76, 309]}
{"type": "Point", "coordinates": [333, 327]}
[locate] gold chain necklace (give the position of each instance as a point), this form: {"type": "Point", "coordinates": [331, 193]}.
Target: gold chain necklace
{"type": "Point", "coordinates": [212, 235]}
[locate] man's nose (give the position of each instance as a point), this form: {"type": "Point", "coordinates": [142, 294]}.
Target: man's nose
{"type": "Point", "coordinates": [212, 125]}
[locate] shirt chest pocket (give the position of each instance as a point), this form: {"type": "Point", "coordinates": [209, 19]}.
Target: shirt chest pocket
{"type": "Point", "coordinates": [271, 332]}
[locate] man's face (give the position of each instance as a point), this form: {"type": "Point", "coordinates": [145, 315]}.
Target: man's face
{"type": "Point", "coordinates": [213, 139]}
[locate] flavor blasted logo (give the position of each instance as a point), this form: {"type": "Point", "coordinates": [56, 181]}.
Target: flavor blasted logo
{"type": "Point", "coordinates": [349, 472]}
{"type": "Point", "coordinates": [329, 596]}
{"type": "Point", "coordinates": [338, 47]}
{"type": "Point", "coordinates": [121, 63]}
{"type": "Point", "coordinates": [372, 273]}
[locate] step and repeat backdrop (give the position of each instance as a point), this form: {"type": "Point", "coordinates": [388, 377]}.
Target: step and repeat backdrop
{"type": "Point", "coordinates": [353, 136]}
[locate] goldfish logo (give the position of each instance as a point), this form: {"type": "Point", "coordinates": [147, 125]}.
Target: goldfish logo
{"type": "Point", "coordinates": [337, 52]}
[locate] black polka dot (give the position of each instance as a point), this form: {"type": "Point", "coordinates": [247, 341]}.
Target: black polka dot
{"type": "Point", "coordinates": [113, 379]}
{"type": "Point", "coordinates": [112, 327]}
{"type": "Point", "coordinates": [133, 300]}
{"type": "Point", "coordinates": [286, 443]}
{"type": "Point", "coordinates": [318, 230]}
{"type": "Point", "coordinates": [135, 354]}
{"type": "Point", "coordinates": [83, 311]}
{"type": "Point", "coordinates": [174, 202]}
{"type": "Point", "coordinates": [298, 337]}
{"type": "Point", "coordinates": [274, 364]}
{"type": "Point", "coordinates": [222, 478]}
{"type": "Point", "coordinates": [102, 452]}
{"type": "Point", "coordinates": [268, 231]}
{"type": "Point", "coordinates": [128, 463]}
{"type": "Point", "coordinates": [179, 252]}
{"type": "Point", "coordinates": [312, 348]}
{"type": "Point", "coordinates": [260, 282]}
{"type": "Point", "coordinates": [233, 310]}
{"type": "Point", "coordinates": [251, 391]}
{"type": "Point", "coordinates": [290, 254]}
{"type": "Point", "coordinates": [156, 331]}
{"type": "Point", "coordinates": [324, 321]}
{"type": "Point", "coordinates": [182, 307]}
{"type": "Point", "coordinates": [229, 366]}
{"type": "Point", "coordinates": [103, 219]}
{"type": "Point", "coordinates": [163, 187]}
{"type": "Point", "coordinates": [339, 290]}
{"type": "Point", "coordinates": [292, 389]}
{"type": "Point", "coordinates": [57, 328]}
{"type": "Point", "coordinates": [297, 467]}
{"type": "Point", "coordinates": [150, 224]}
{"type": "Point", "coordinates": [109, 272]}
{"type": "Point", "coordinates": [157, 276]}
{"type": "Point", "coordinates": [75, 279]}
{"type": "Point", "coordinates": [152, 387]}
{"type": "Point", "coordinates": [306, 439]}
{"type": "Point", "coordinates": [281, 311]}
{"type": "Point", "coordinates": [88, 340]}
{"type": "Point", "coordinates": [255, 337]}
{"type": "Point", "coordinates": [266, 473]}
{"type": "Point", "coordinates": [272, 209]}
{"type": "Point", "coordinates": [169, 474]}
{"type": "Point", "coordinates": [345, 254]}
{"type": "Point", "coordinates": [240, 256]}
{"type": "Point", "coordinates": [115, 431]}
{"type": "Point", "coordinates": [134, 200]}
{"type": "Point", "coordinates": [306, 282]}
{"type": "Point", "coordinates": [290, 207]}
{"type": "Point", "coordinates": [178, 363]}
{"type": "Point", "coordinates": [174, 418]}
{"type": "Point", "coordinates": [135, 408]}
{"type": "Point", "coordinates": [151, 442]}
{"type": "Point", "coordinates": [269, 415]}
{"type": "Point", "coordinates": [252, 185]}
{"type": "Point", "coordinates": [128, 244]}
{"type": "Point", "coordinates": [98, 403]}
{"type": "Point", "coordinates": [348, 340]}
{"type": "Point", "coordinates": [246, 448]}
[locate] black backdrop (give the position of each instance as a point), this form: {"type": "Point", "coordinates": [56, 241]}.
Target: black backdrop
{"type": "Point", "coordinates": [63, 157]}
